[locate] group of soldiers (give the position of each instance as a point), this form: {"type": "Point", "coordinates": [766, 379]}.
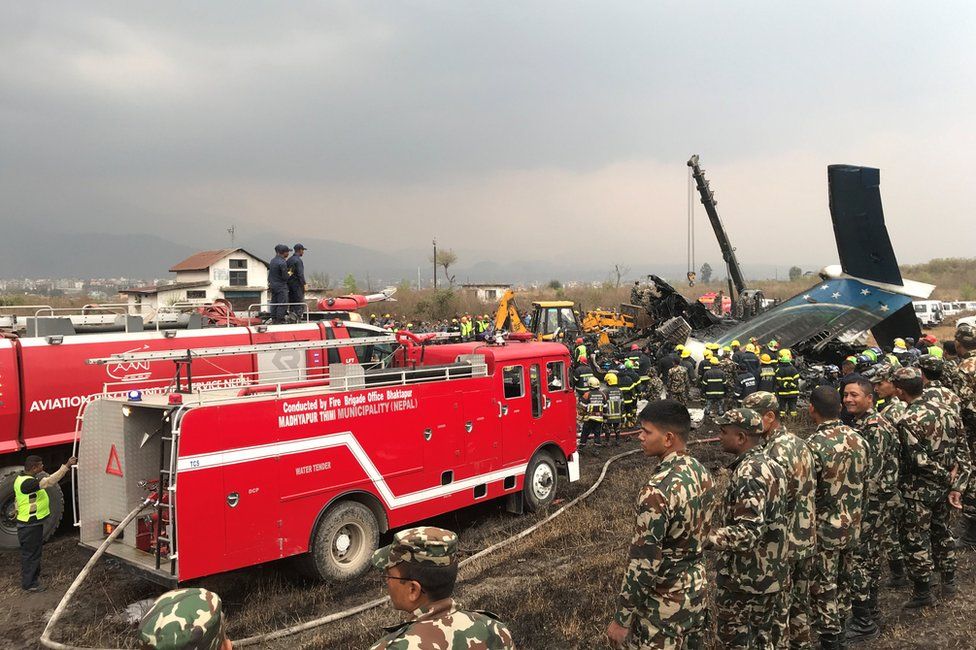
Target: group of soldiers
{"type": "Point", "coordinates": [808, 524]}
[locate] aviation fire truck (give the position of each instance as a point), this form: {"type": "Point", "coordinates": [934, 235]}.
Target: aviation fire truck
{"type": "Point", "coordinates": [319, 466]}
{"type": "Point", "coordinates": [44, 379]}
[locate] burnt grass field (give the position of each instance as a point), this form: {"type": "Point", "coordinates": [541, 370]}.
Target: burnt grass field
{"type": "Point", "coordinates": [555, 588]}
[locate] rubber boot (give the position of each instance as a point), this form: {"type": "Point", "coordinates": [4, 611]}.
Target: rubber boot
{"type": "Point", "coordinates": [948, 585]}
{"type": "Point", "coordinates": [898, 578]}
{"type": "Point", "coordinates": [922, 596]}
{"type": "Point", "coordinates": [832, 641]}
{"type": "Point", "coordinates": [968, 537]}
{"type": "Point", "coordinates": [862, 627]}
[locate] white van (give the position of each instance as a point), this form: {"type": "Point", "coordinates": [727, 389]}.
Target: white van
{"type": "Point", "coordinates": [928, 312]}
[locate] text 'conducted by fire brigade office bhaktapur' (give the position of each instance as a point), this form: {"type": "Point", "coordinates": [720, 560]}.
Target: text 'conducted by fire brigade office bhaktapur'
{"type": "Point", "coordinates": [328, 408]}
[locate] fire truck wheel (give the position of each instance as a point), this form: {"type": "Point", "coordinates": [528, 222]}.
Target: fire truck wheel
{"type": "Point", "coordinates": [540, 482]}
{"type": "Point", "coordinates": [8, 509]}
{"type": "Point", "coordinates": [344, 542]}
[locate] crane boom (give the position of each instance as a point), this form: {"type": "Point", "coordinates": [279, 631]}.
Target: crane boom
{"type": "Point", "coordinates": [708, 200]}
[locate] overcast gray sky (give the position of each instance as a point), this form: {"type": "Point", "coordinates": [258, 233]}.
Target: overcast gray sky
{"type": "Point", "coordinates": [526, 128]}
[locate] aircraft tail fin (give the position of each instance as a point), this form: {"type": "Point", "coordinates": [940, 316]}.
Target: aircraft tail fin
{"type": "Point", "coordinates": [863, 244]}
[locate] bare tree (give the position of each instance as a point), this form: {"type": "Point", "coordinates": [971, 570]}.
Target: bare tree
{"type": "Point", "coordinates": [445, 258]}
{"type": "Point", "coordinates": [618, 273]}
{"type": "Point", "coordinates": [320, 280]}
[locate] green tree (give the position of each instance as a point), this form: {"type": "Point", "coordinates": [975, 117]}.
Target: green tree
{"type": "Point", "coordinates": [445, 259]}
{"type": "Point", "coordinates": [349, 283]}
{"type": "Point", "coordinates": [795, 273]}
{"type": "Point", "coordinates": [706, 273]}
{"type": "Point", "coordinates": [555, 285]}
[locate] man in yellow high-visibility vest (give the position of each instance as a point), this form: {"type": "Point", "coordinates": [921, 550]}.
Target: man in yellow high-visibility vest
{"type": "Point", "coordinates": [33, 507]}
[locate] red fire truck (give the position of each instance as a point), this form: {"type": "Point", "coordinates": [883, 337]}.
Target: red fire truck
{"type": "Point", "coordinates": [44, 381]}
{"type": "Point", "coordinates": [320, 467]}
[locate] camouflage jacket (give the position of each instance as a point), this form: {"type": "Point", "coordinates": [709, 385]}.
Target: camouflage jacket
{"type": "Point", "coordinates": [966, 369]}
{"type": "Point", "coordinates": [881, 438]}
{"type": "Point", "coordinates": [666, 564]}
{"type": "Point", "coordinates": [442, 625]}
{"type": "Point", "coordinates": [793, 455]}
{"type": "Point", "coordinates": [893, 410]}
{"type": "Point", "coordinates": [655, 387]}
{"type": "Point", "coordinates": [931, 446]}
{"type": "Point", "coordinates": [951, 376]}
{"type": "Point", "coordinates": [839, 459]}
{"type": "Point", "coordinates": [678, 381]}
{"type": "Point", "coordinates": [731, 373]}
{"type": "Point", "coordinates": [754, 544]}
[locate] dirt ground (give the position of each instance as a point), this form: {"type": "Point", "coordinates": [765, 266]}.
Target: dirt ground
{"type": "Point", "coordinates": [556, 588]}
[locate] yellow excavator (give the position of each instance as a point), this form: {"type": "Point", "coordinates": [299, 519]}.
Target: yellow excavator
{"type": "Point", "coordinates": [559, 320]}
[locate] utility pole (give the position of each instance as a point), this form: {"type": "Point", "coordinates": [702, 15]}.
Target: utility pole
{"type": "Point", "coordinates": [435, 262]}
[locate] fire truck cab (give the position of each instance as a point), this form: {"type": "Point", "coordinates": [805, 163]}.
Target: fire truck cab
{"type": "Point", "coordinates": [321, 466]}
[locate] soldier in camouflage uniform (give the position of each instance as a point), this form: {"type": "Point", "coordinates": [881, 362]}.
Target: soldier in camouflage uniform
{"type": "Point", "coordinates": [933, 473]}
{"type": "Point", "coordinates": [880, 494]}
{"type": "Point", "coordinates": [731, 372]}
{"type": "Point", "coordinates": [185, 619]}
{"type": "Point", "coordinates": [793, 455]}
{"type": "Point", "coordinates": [892, 409]}
{"type": "Point", "coordinates": [753, 568]}
{"type": "Point", "coordinates": [655, 387]}
{"type": "Point", "coordinates": [679, 385]}
{"type": "Point", "coordinates": [965, 341]}
{"type": "Point", "coordinates": [662, 599]}
{"type": "Point", "coordinates": [420, 570]}
{"type": "Point", "coordinates": [839, 458]}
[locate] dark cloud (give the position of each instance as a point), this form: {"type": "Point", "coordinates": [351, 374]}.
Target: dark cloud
{"type": "Point", "coordinates": [539, 118]}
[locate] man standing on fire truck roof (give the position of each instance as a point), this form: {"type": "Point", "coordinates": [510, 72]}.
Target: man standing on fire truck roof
{"type": "Point", "coordinates": [33, 507]}
{"type": "Point", "coordinates": [278, 283]}
{"type": "Point", "coordinates": [420, 570]}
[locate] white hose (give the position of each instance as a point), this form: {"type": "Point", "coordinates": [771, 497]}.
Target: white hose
{"type": "Point", "coordinates": [68, 595]}
{"type": "Point", "coordinates": [314, 623]}
{"type": "Point", "coordinates": [308, 625]}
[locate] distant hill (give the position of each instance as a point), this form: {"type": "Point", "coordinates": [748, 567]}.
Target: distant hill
{"type": "Point", "coordinates": [30, 252]}
{"type": "Point", "coordinates": [953, 277]}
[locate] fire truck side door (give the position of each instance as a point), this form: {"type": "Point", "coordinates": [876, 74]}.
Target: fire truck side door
{"type": "Point", "coordinates": [481, 428]}
{"type": "Point", "coordinates": [250, 488]}
{"type": "Point", "coordinates": [515, 411]}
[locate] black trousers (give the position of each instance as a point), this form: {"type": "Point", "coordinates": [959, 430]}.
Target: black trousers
{"type": "Point", "coordinates": [296, 293]}
{"type": "Point", "coordinates": [279, 296]}
{"type": "Point", "coordinates": [31, 540]}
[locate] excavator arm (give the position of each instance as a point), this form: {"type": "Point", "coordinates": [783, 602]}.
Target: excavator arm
{"type": "Point", "coordinates": [507, 317]}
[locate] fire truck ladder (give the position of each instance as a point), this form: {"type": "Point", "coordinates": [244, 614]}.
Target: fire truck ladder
{"type": "Point", "coordinates": [184, 358]}
{"type": "Point", "coordinates": [166, 498]}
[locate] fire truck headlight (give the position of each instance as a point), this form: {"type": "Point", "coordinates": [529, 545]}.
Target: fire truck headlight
{"type": "Point", "coordinates": [126, 411]}
{"type": "Point", "coordinates": [135, 395]}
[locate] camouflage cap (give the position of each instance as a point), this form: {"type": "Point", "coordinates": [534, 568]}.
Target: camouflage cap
{"type": "Point", "coordinates": [761, 402]}
{"type": "Point", "coordinates": [906, 372]}
{"type": "Point", "coordinates": [744, 418]}
{"type": "Point", "coordinates": [881, 372]}
{"type": "Point", "coordinates": [966, 333]}
{"type": "Point", "coordinates": [931, 363]}
{"type": "Point", "coordinates": [423, 545]}
{"type": "Point", "coordinates": [190, 619]}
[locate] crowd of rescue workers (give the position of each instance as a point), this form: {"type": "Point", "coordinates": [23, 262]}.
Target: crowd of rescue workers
{"type": "Point", "coordinates": [802, 525]}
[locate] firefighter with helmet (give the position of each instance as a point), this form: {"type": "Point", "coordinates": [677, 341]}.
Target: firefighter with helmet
{"type": "Point", "coordinates": [614, 407]}
{"type": "Point", "coordinates": [579, 352]}
{"type": "Point", "coordinates": [592, 406]}
{"type": "Point", "coordinates": [33, 509]}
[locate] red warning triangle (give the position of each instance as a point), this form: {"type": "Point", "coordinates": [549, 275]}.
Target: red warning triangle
{"type": "Point", "coordinates": [114, 466]}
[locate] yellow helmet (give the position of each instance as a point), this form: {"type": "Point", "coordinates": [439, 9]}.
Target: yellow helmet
{"type": "Point", "coordinates": [727, 348]}
{"type": "Point", "coordinates": [685, 353]}
{"type": "Point", "coordinates": [711, 346]}
{"type": "Point", "coordinates": [679, 348]}
{"type": "Point", "coordinates": [900, 344]}
{"type": "Point", "coordinates": [713, 361]}
{"type": "Point", "coordinates": [707, 354]}
{"type": "Point", "coordinates": [765, 358]}
{"type": "Point", "coordinates": [611, 379]}
{"type": "Point", "coordinates": [735, 343]}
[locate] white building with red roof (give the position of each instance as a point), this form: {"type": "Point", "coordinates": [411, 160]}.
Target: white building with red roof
{"type": "Point", "coordinates": [233, 274]}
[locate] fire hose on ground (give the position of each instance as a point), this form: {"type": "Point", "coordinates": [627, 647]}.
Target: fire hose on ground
{"type": "Point", "coordinates": [324, 620]}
